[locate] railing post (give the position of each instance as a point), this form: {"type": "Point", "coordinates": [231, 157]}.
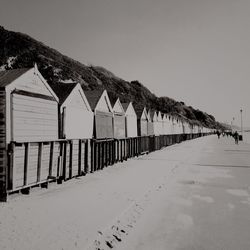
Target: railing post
{"type": "Point", "coordinates": [114, 145]}
{"type": "Point", "coordinates": [51, 156]}
{"type": "Point", "coordinates": [110, 152]}
{"type": "Point", "coordinates": [86, 156]}
{"type": "Point", "coordinates": [70, 158]}
{"type": "Point", "coordinates": [121, 150]}
{"type": "Point", "coordinates": [98, 156]}
{"type": "Point", "coordinates": [106, 153]}
{"type": "Point", "coordinates": [39, 163]}
{"type": "Point", "coordinates": [60, 164]}
{"type": "Point", "coordinates": [103, 158]}
{"type": "Point", "coordinates": [95, 155]}
{"type": "Point", "coordinates": [80, 157]}
{"type": "Point", "coordinates": [26, 163]}
{"type": "Point", "coordinates": [92, 155]}
{"type": "Point", "coordinates": [64, 160]}
{"type": "Point", "coordinates": [11, 151]}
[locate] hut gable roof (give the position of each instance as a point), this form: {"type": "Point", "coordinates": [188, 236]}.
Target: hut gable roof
{"type": "Point", "coordinates": [72, 94]}
{"type": "Point", "coordinates": [152, 115]}
{"type": "Point", "coordinates": [93, 97]}
{"type": "Point", "coordinates": [141, 112]}
{"type": "Point", "coordinates": [125, 105]}
{"type": "Point", "coordinates": [159, 117]}
{"type": "Point", "coordinates": [118, 108]}
{"type": "Point", "coordinates": [129, 108]}
{"type": "Point", "coordinates": [8, 76]}
{"type": "Point", "coordinates": [63, 90]}
{"type": "Point", "coordinates": [28, 80]}
{"type": "Point", "coordinates": [99, 100]}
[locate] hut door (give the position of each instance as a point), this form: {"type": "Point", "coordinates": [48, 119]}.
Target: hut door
{"type": "Point", "coordinates": [33, 118]}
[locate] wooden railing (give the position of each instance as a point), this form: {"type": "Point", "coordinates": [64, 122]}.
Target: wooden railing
{"type": "Point", "coordinates": [34, 163]}
{"type": "Point", "coordinates": [38, 163]}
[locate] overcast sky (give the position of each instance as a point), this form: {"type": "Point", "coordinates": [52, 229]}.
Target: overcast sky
{"type": "Point", "coordinates": [196, 51]}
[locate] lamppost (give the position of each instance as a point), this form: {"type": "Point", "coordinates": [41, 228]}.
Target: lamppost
{"type": "Point", "coordinates": [241, 123]}
{"type": "Point", "coordinates": [232, 123]}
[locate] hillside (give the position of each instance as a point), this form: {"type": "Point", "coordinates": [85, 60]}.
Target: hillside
{"type": "Point", "coordinates": [19, 50]}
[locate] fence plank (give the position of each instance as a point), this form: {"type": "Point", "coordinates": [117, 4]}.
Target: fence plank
{"type": "Point", "coordinates": [51, 155]}
{"type": "Point", "coordinates": [86, 157]}
{"type": "Point", "coordinates": [26, 163]}
{"type": "Point", "coordinates": [39, 163]}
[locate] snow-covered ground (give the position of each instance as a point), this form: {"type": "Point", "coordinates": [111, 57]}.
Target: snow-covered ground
{"type": "Point", "coordinates": [193, 195]}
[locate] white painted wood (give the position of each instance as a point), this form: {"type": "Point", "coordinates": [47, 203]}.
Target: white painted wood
{"type": "Point", "coordinates": [104, 103]}
{"type": "Point", "coordinates": [33, 82]}
{"type": "Point", "coordinates": [131, 126]}
{"type": "Point", "coordinates": [77, 99]}
{"type": "Point", "coordinates": [119, 126]}
{"type": "Point", "coordinates": [119, 120]}
{"type": "Point", "coordinates": [78, 117]}
{"type": "Point", "coordinates": [78, 124]}
{"type": "Point", "coordinates": [131, 121]}
{"type": "Point", "coordinates": [144, 115]}
{"type": "Point", "coordinates": [30, 122]}
{"type": "Point", "coordinates": [159, 123]}
{"type": "Point", "coordinates": [104, 125]}
{"type": "Point", "coordinates": [118, 107]}
{"type": "Point", "coordinates": [173, 125]}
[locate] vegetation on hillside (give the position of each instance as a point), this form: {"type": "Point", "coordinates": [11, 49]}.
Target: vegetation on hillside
{"type": "Point", "coordinates": [19, 50]}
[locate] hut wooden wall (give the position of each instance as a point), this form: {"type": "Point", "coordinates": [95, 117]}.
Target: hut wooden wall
{"type": "Point", "coordinates": [35, 158]}
{"type": "Point", "coordinates": [3, 156]}
{"type": "Point", "coordinates": [144, 127]}
{"type": "Point", "coordinates": [131, 126]}
{"type": "Point", "coordinates": [78, 123]}
{"type": "Point", "coordinates": [150, 128]}
{"type": "Point", "coordinates": [103, 125]}
{"type": "Point", "coordinates": [33, 118]}
{"type": "Point", "coordinates": [119, 126]}
{"type": "Point", "coordinates": [77, 115]}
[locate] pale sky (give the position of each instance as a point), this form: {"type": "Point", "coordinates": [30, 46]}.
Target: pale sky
{"type": "Point", "coordinates": [196, 51]}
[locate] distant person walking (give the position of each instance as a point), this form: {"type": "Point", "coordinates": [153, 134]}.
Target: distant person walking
{"type": "Point", "coordinates": [236, 137]}
{"type": "Point", "coordinates": [218, 134]}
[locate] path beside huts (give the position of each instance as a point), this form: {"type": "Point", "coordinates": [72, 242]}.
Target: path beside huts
{"type": "Point", "coordinates": [192, 195]}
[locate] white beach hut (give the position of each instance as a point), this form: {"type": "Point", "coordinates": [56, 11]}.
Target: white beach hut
{"type": "Point", "coordinates": [103, 113]}
{"type": "Point", "coordinates": [119, 120]}
{"type": "Point", "coordinates": [76, 116]}
{"type": "Point", "coordinates": [29, 114]}
{"type": "Point", "coordinates": [142, 120]}
{"type": "Point", "coordinates": [131, 119]}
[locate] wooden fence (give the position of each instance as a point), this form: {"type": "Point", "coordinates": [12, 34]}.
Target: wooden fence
{"type": "Point", "coordinates": [38, 163]}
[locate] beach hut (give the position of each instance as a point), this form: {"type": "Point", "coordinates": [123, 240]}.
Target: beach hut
{"type": "Point", "coordinates": [131, 119]}
{"type": "Point", "coordinates": [29, 114]}
{"type": "Point", "coordinates": [159, 125]}
{"type": "Point", "coordinates": [76, 116]}
{"type": "Point", "coordinates": [103, 113]}
{"type": "Point", "coordinates": [179, 126]}
{"type": "Point", "coordinates": [76, 122]}
{"type": "Point", "coordinates": [168, 125]}
{"type": "Point", "coordinates": [119, 120]}
{"type": "Point", "coordinates": [152, 119]}
{"type": "Point", "coordinates": [31, 106]}
{"type": "Point", "coordinates": [173, 125]}
{"type": "Point", "coordinates": [164, 124]}
{"type": "Point", "coordinates": [142, 120]}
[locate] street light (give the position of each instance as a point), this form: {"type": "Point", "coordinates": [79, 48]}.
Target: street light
{"type": "Point", "coordinates": [241, 123]}
{"type": "Point", "coordinates": [232, 124]}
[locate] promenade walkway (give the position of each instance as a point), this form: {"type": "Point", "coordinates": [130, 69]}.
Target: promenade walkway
{"type": "Point", "coordinates": [193, 195]}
